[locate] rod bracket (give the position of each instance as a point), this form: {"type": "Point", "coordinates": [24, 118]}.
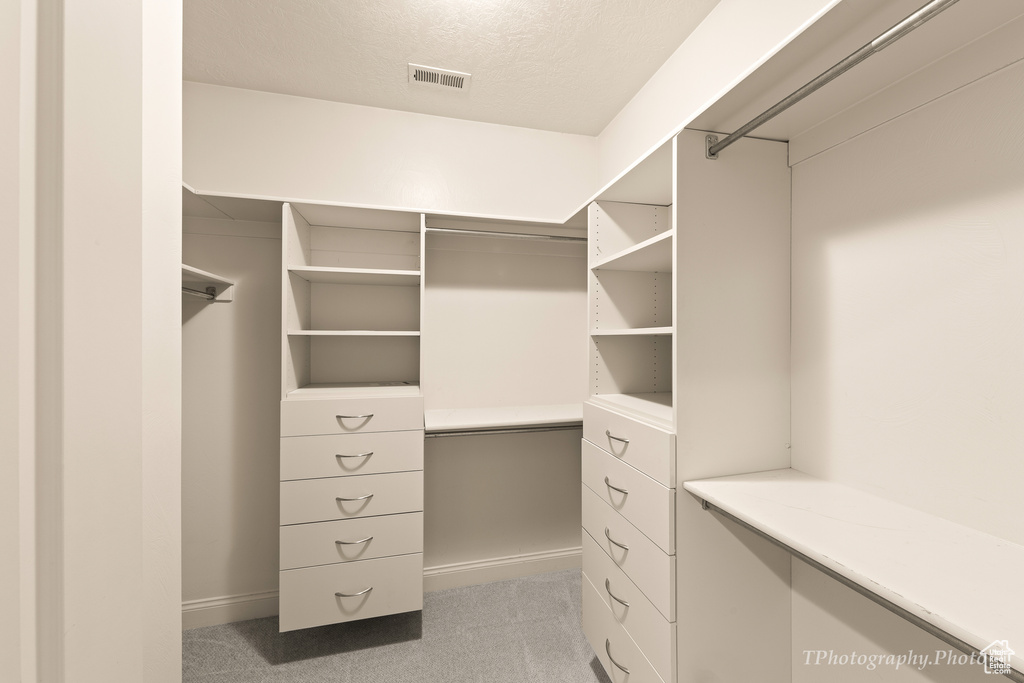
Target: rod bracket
{"type": "Point", "coordinates": [703, 503]}
{"type": "Point", "coordinates": [709, 142]}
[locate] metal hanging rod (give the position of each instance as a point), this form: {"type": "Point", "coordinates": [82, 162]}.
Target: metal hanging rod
{"type": "Point", "coordinates": [713, 146]}
{"type": "Point", "coordinates": [503, 430]}
{"type": "Point", "coordinates": [509, 235]}
{"type": "Point", "coordinates": [210, 294]}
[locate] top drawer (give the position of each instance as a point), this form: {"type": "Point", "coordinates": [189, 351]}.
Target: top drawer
{"type": "Point", "coordinates": [646, 447]}
{"type": "Point", "coordinates": [351, 415]}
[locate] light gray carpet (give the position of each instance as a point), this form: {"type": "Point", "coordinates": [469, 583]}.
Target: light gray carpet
{"type": "Point", "coordinates": [520, 630]}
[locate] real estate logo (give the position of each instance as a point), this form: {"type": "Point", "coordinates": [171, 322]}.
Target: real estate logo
{"type": "Point", "coordinates": [997, 657]}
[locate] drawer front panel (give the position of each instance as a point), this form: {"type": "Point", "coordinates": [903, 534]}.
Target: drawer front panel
{"type": "Point", "coordinates": [645, 447]}
{"type": "Point", "coordinates": [364, 538]}
{"type": "Point", "coordinates": [316, 500]}
{"type": "Point", "coordinates": [337, 455]}
{"type": "Point", "coordinates": [350, 415]}
{"type": "Point", "coordinates": [606, 636]}
{"type": "Point", "coordinates": [307, 596]}
{"type": "Point", "coordinates": [646, 503]}
{"type": "Point", "coordinates": [644, 563]}
{"type": "Point", "coordinates": [655, 637]}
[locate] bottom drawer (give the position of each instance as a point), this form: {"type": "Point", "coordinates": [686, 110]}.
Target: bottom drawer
{"type": "Point", "coordinates": [609, 640]}
{"type": "Point", "coordinates": [308, 596]}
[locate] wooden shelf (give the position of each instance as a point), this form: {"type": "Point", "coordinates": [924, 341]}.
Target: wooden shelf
{"type": "Point", "coordinates": [355, 389]}
{"type": "Point", "coordinates": [353, 333]}
{"type": "Point", "coordinates": [633, 332]}
{"type": "Point", "coordinates": [472, 419]}
{"type": "Point", "coordinates": [960, 581]}
{"type": "Point", "coordinates": [653, 255]}
{"type": "Point", "coordinates": [655, 408]}
{"type": "Point", "coordinates": [357, 276]}
{"type": "Point", "coordinates": [198, 280]}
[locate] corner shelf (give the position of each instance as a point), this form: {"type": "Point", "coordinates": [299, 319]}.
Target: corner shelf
{"type": "Point", "coordinates": [652, 255]}
{"type": "Point", "coordinates": [357, 276]}
{"type": "Point", "coordinates": [207, 285]}
{"type": "Point", "coordinates": [886, 550]}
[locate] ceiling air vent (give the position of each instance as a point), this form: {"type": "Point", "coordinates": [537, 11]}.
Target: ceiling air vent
{"type": "Point", "coordinates": [438, 78]}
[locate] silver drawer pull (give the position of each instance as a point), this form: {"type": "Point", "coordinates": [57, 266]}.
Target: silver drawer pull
{"type": "Point", "coordinates": [615, 488]}
{"type": "Point", "coordinates": [616, 438]}
{"type": "Point", "coordinates": [353, 595]}
{"type": "Point", "coordinates": [608, 587]}
{"type": "Point", "coordinates": [363, 540]}
{"type": "Point", "coordinates": [621, 545]}
{"type": "Point", "coordinates": [357, 455]}
{"type": "Point", "coordinates": [354, 417]}
{"type": "Point", "coordinates": [608, 649]}
{"type": "Point", "coordinates": [352, 500]}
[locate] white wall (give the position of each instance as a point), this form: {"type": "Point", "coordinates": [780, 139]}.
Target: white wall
{"type": "Point", "coordinates": [908, 325]}
{"type": "Point", "coordinates": [251, 143]}
{"type": "Point", "coordinates": [231, 356]}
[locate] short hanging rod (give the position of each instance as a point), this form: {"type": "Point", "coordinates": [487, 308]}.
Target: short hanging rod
{"type": "Point", "coordinates": [881, 42]}
{"type": "Point", "coordinates": [210, 294]}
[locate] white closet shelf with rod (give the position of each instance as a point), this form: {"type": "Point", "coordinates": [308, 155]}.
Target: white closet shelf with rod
{"type": "Point", "coordinates": [200, 283]}
{"type": "Point", "coordinates": [887, 552]}
{"type": "Point", "coordinates": [356, 276]}
{"type": "Point", "coordinates": [502, 420]}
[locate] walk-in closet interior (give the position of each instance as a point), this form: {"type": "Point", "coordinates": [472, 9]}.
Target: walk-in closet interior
{"type": "Point", "coordinates": [767, 396]}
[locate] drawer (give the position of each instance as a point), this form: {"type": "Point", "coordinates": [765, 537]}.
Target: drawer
{"type": "Point", "coordinates": [648, 505]}
{"type": "Point", "coordinates": [316, 500]}
{"type": "Point", "coordinates": [646, 447]}
{"type": "Point", "coordinates": [335, 455]}
{"type": "Point", "coordinates": [648, 628]}
{"type": "Point", "coordinates": [307, 596]}
{"type": "Point", "coordinates": [363, 538]}
{"type": "Point", "coordinates": [609, 639]}
{"type": "Point", "coordinates": [305, 417]}
{"type": "Point", "coordinates": [643, 562]}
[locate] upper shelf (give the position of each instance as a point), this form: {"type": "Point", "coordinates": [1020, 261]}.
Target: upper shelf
{"type": "Point", "coordinates": [202, 283]}
{"type": "Point", "coordinates": [357, 276]}
{"type": "Point", "coordinates": [505, 417]}
{"type": "Point", "coordinates": [891, 550]}
{"type": "Point", "coordinates": [653, 255]}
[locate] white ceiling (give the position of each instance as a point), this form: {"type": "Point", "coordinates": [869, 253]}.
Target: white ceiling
{"type": "Point", "coordinates": [562, 65]}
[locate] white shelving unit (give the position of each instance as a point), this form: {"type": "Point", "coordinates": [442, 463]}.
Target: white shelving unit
{"type": "Point", "coordinates": [889, 550]}
{"type": "Point", "coordinates": [205, 284]}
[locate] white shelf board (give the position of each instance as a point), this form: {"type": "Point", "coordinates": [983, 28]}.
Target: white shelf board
{"type": "Point", "coordinates": [353, 333]}
{"type": "Point", "coordinates": [633, 332]}
{"type": "Point", "coordinates": [199, 280]}
{"type": "Point", "coordinates": [355, 389]}
{"type": "Point", "coordinates": [357, 276]}
{"type": "Point", "coordinates": [961, 581]}
{"type": "Point", "coordinates": [466, 419]}
{"type": "Point", "coordinates": [655, 408]}
{"type": "Point", "coordinates": [653, 255]}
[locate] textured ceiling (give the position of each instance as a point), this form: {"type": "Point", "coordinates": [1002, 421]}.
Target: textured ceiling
{"type": "Point", "coordinates": [561, 65]}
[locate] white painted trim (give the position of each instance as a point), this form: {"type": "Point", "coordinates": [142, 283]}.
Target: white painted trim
{"type": "Point", "coordinates": [227, 609]}
{"type": "Point", "coordinates": [499, 568]}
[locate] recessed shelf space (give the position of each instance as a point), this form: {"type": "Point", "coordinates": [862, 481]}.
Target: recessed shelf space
{"type": "Point", "coordinates": [629, 232]}
{"type": "Point", "coordinates": [652, 255]}
{"type": "Point", "coordinates": [959, 581]}
{"type": "Point", "coordinates": [357, 276]}
{"type": "Point", "coordinates": [200, 283]}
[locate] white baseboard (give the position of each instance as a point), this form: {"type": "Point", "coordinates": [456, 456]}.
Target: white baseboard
{"type": "Point", "coordinates": [227, 609]}
{"type": "Point", "coordinates": [231, 608]}
{"type": "Point", "coordinates": [499, 568]}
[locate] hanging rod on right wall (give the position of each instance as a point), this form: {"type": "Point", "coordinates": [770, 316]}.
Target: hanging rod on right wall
{"type": "Point", "coordinates": [713, 146]}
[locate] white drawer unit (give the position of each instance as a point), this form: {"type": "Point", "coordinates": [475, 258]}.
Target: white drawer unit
{"type": "Point", "coordinates": [645, 563]}
{"type": "Point", "coordinates": [317, 500]}
{"type": "Point", "coordinates": [351, 415]}
{"type": "Point", "coordinates": [338, 455]}
{"type": "Point", "coordinates": [643, 501]}
{"type": "Point", "coordinates": [648, 628]}
{"type": "Point", "coordinates": [643, 446]}
{"type": "Point", "coordinates": [620, 656]}
{"type": "Point", "coordinates": [333, 593]}
{"type": "Point", "coordinates": [351, 540]}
